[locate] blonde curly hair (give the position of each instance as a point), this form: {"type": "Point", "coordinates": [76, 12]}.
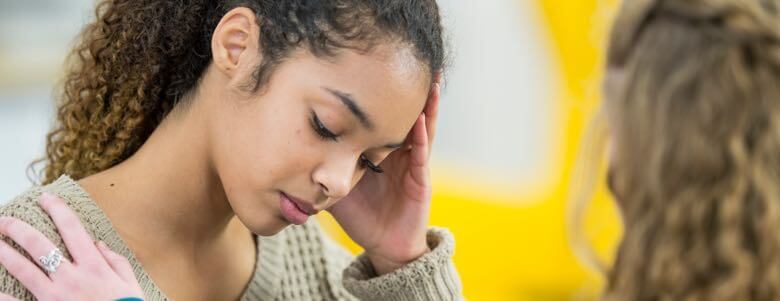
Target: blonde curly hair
{"type": "Point", "coordinates": [695, 127]}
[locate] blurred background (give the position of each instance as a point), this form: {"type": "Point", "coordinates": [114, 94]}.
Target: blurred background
{"type": "Point", "coordinates": [523, 83]}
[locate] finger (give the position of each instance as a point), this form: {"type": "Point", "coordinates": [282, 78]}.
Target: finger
{"type": "Point", "coordinates": [30, 239]}
{"type": "Point", "coordinates": [419, 143]}
{"type": "Point", "coordinates": [418, 163]}
{"type": "Point", "coordinates": [118, 263]}
{"type": "Point", "coordinates": [4, 297]}
{"type": "Point", "coordinates": [79, 242]}
{"type": "Point", "coordinates": [432, 112]}
{"type": "Point", "coordinates": [22, 269]}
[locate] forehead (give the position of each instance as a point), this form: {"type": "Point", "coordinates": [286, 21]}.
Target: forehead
{"type": "Point", "coordinates": [386, 71]}
{"type": "Point", "coordinates": [388, 83]}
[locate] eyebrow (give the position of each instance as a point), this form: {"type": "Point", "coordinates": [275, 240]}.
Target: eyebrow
{"type": "Point", "coordinates": [353, 107]}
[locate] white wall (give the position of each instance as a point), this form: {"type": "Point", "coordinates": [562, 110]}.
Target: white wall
{"type": "Point", "coordinates": [34, 37]}
{"type": "Point", "coordinates": [496, 111]}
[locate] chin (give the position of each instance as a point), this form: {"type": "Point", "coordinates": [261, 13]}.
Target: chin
{"type": "Point", "coordinates": [267, 225]}
{"type": "Point", "coordinates": [257, 213]}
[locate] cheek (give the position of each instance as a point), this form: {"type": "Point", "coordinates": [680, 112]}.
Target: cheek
{"type": "Point", "coordinates": [273, 151]}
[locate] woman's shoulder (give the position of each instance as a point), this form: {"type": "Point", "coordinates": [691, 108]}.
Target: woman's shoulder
{"type": "Point", "coordinates": [25, 206]}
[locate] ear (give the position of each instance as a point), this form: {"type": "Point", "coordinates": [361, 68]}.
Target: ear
{"type": "Point", "coordinates": [235, 42]}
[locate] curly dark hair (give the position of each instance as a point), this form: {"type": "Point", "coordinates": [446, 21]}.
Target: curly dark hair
{"type": "Point", "coordinates": [139, 58]}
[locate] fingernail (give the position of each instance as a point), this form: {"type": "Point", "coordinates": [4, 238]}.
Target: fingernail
{"type": "Point", "coordinates": [101, 244]}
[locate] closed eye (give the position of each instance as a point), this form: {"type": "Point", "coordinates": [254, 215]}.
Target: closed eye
{"type": "Point", "coordinates": [370, 165]}
{"type": "Point", "coordinates": [326, 134]}
{"type": "Point", "coordinates": [322, 131]}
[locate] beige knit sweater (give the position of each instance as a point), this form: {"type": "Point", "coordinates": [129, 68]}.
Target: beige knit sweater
{"type": "Point", "coordinates": [300, 263]}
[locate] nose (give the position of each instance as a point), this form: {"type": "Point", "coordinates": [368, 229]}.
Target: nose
{"type": "Point", "coordinates": [336, 176]}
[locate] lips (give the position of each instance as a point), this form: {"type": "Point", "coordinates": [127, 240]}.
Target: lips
{"type": "Point", "coordinates": [294, 210]}
{"type": "Point", "coordinates": [301, 205]}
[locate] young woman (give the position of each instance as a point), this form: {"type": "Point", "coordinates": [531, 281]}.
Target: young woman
{"type": "Point", "coordinates": [191, 134]}
{"type": "Point", "coordinates": [693, 111]}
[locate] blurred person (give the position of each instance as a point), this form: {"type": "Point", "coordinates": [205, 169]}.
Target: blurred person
{"type": "Point", "coordinates": [191, 134]}
{"type": "Point", "coordinates": [692, 111]}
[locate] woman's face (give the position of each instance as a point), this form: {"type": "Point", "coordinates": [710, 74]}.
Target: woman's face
{"type": "Point", "coordinates": [311, 131]}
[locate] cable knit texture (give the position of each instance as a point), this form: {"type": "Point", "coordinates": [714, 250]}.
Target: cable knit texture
{"type": "Point", "coordinates": [299, 263]}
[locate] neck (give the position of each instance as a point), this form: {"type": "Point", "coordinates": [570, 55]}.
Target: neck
{"type": "Point", "coordinates": [167, 192]}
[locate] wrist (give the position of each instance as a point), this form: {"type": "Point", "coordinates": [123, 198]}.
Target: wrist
{"type": "Point", "coordinates": [387, 263]}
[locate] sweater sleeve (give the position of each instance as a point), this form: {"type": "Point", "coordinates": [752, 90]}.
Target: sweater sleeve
{"type": "Point", "coordinates": [431, 277]}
